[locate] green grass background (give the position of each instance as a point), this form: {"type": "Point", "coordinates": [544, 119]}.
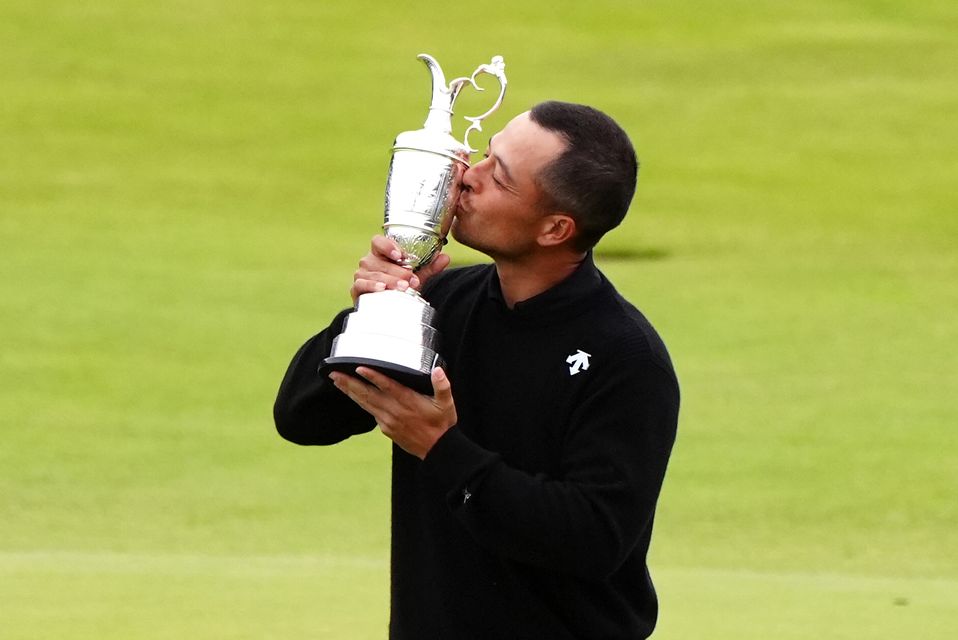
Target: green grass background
{"type": "Point", "coordinates": [185, 188]}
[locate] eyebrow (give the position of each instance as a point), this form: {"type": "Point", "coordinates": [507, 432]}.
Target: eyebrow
{"type": "Point", "coordinates": [505, 168]}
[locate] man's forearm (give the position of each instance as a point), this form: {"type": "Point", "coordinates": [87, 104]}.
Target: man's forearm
{"type": "Point", "coordinates": [308, 408]}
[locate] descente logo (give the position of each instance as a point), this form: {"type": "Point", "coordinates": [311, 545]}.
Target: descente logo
{"type": "Point", "coordinates": [578, 361]}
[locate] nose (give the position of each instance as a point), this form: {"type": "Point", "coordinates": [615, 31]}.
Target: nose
{"type": "Point", "coordinates": [471, 178]}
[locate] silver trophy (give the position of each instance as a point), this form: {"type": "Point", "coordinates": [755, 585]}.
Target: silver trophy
{"type": "Point", "coordinates": [392, 331]}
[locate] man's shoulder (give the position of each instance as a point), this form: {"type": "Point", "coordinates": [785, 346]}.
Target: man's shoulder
{"type": "Point", "coordinates": [626, 330]}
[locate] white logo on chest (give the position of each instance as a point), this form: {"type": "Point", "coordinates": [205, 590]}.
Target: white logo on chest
{"type": "Point", "coordinates": [578, 361]}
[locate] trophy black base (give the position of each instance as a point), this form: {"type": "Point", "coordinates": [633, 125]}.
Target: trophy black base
{"type": "Point", "coordinates": [416, 380]}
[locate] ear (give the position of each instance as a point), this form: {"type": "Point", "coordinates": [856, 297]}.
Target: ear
{"type": "Point", "coordinates": [556, 229]}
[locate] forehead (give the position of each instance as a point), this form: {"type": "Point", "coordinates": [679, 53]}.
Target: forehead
{"type": "Point", "coordinates": [526, 147]}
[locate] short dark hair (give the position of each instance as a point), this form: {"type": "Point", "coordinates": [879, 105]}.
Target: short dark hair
{"type": "Point", "coordinates": [593, 180]}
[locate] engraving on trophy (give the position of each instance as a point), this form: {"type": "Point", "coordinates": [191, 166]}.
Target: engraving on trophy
{"type": "Point", "coordinates": [392, 331]}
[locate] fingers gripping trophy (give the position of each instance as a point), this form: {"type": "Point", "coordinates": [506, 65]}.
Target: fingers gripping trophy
{"type": "Point", "coordinates": [393, 331]}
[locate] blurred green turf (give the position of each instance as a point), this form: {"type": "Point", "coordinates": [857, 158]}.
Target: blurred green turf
{"type": "Point", "coordinates": [185, 188]}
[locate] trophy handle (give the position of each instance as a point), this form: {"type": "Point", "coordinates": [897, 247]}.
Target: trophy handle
{"type": "Point", "coordinates": [495, 68]}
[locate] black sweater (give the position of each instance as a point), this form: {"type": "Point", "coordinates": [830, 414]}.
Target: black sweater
{"type": "Point", "coordinates": [531, 518]}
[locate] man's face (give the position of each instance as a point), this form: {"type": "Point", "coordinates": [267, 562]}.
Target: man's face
{"type": "Point", "coordinates": [499, 210]}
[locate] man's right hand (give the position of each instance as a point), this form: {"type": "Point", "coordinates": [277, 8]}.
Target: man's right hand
{"type": "Point", "coordinates": [380, 269]}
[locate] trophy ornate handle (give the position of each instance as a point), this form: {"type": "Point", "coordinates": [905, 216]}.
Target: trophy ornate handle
{"type": "Point", "coordinates": [444, 97]}
{"type": "Point", "coordinates": [495, 68]}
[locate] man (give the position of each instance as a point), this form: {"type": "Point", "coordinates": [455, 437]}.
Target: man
{"type": "Point", "coordinates": [524, 488]}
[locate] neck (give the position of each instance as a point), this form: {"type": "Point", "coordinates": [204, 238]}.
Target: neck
{"type": "Point", "coordinates": [529, 276]}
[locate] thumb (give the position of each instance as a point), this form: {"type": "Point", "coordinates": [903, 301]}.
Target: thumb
{"type": "Point", "coordinates": [440, 262]}
{"type": "Point", "coordinates": [441, 388]}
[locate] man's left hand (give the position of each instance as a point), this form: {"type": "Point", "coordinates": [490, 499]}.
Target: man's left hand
{"type": "Point", "coordinates": [412, 420]}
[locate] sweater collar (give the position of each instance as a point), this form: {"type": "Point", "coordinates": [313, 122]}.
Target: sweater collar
{"type": "Point", "coordinates": [584, 281]}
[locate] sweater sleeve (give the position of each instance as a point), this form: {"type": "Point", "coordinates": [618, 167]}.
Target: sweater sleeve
{"type": "Point", "coordinates": [586, 521]}
{"type": "Point", "coordinates": [308, 408]}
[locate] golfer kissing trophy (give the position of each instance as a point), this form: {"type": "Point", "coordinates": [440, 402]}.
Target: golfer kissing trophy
{"type": "Point", "coordinates": [392, 331]}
